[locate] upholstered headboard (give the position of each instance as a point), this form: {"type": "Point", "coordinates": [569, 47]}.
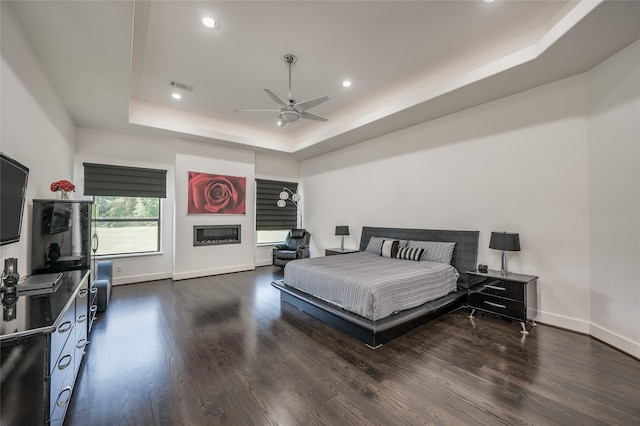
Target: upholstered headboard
{"type": "Point", "coordinates": [465, 253]}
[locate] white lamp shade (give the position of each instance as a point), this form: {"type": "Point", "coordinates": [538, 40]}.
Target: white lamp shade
{"type": "Point", "coordinates": [284, 195]}
{"type": "Point", "coordinates": [296, 197]}
{"type": "Point", "coordinates": [281, 203]}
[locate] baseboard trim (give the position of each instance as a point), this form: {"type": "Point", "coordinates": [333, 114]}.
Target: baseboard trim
{"type": "Point", "coordinates": [562, 321]}
{"type": "Point", "coordinates": [264, 262]}
{"type": "Point", "coordinates": [142, 278]}
{"type": "Point", "coordinates": [216, 271]}
{"type": "Point", "coordinates": [619, 342]}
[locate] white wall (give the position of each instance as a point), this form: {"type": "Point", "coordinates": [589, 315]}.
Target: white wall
{"type": "Point", "coordinates": [97, 146]}
{"type": "Point", "coordinates": [518, 164]}
{"type": "Point", "coordinates": [560, 164]}
{"type": "Point", "coordinates": [35, 127]}
{"type": "Point", "coordinates": [614, 199]}
{"type": "Point", "coordinates": [190, 261]}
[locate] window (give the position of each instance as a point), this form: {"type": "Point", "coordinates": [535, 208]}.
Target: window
{"type": "Point", "coordinates": [273, 222]}
{"type": "Point", "coordinates": [126, 207]}
{"type": "Point", "coordinates": [271, 237]}
{"type": "Point", "coordinates": [126, 225]}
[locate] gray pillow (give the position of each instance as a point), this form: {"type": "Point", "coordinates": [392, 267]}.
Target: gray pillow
{"type": "Point", "coordinates": [434, 251]}
{"type": "Point", "coordinates": [375, 245]}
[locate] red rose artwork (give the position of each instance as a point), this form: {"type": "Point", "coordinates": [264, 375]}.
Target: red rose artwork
{"type": "Point", "coordinates": [216, 194]}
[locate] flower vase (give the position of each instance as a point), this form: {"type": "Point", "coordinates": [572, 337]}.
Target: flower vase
{"type": "Point", "coordinates": [64, 195]}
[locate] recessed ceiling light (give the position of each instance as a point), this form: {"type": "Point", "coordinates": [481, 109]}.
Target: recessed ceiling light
{"type": "Point", "coordinates": [487, 1]}
{"type": "Point", "coordinates": [209, 22]}
{"type": "Point", "coordinates": [346, 83]}
{"type": "Point", "coordinates": [176, 96]}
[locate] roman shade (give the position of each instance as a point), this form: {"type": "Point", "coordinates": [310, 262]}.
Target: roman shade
{"type": "Point", "coordinates": [121, 181]}
{"type": "Point", "coordinates": [270, 217]}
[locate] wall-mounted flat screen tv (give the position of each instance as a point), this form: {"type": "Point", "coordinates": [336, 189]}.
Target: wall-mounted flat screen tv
{"type": "Point", "coordinates": [13, 184]}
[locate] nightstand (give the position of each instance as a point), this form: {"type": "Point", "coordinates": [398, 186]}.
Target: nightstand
{"type": "Point", "coordinates": [336, 251]}
{"type": "Point", "coordinates": [513, 296]}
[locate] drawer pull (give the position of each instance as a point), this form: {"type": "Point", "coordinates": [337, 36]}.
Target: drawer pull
{"type": "Point", "coordinates": [83, 292]}
{"type": "Point", "coordinates": [94, 290]}
{"type": "Point", "coordinates": [493, 287]}
{"type": "Point", "coordinates": [66, 358]}
{"type": "Point", "coordinates": [93, 308]}
{"type": "Point", "coordinates": [81, 343]}
{"type": "Point", "coordinates": [64, 402]}
{"type": "Point", "coordinates": [495, 305]}
{"type": "Point", "coordinates": [82, 318]}
{"type": "Point", "coordinates": [64, 327]}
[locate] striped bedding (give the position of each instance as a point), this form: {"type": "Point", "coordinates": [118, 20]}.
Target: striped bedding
{"type": "Point", "coordinates": [370, 285]}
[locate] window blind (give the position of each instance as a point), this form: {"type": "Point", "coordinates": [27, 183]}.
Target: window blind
{"type": "Point", "coordinates": [122, 181]}
{"type": "Point", "coordinates": [270, 217]}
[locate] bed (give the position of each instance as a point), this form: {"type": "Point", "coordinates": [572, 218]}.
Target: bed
{"type": "Point", "coordinates": [314, 285]}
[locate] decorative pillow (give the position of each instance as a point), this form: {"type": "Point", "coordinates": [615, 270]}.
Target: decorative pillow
{"type": "Point", "coordinates": [389, 248]}
{"type": "Point", "coordinates": [407, 253]}
{"type": "Point", "coordinates": [375, 245]}
{"type": "Point", "coordinates": [434, 251]}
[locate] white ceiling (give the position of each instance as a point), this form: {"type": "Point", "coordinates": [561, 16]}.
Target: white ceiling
{"type": "Point", "coordinates": [410, 61]}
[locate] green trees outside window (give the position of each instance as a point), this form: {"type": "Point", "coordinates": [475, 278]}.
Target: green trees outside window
{"type": "Point", "coordinates": [127, 225]}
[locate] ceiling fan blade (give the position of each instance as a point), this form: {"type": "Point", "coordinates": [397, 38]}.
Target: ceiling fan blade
{"type": "Point", "coordinates": [276, 99]}
{"type": "Point", "coordinates": [303, 106]}
{"type": "Point", "coordinates": [310, 116]}
{"type": "Point", "coordinates": [256, 110]}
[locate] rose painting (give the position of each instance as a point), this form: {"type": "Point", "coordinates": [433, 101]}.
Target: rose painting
{"type": "Point", "coordinates": [216, 194]}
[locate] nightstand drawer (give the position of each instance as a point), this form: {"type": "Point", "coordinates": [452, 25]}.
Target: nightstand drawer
{"type": "Point", "coordinates": [501, 288]}
{"type": "Point", "coordinates": [506, 307]}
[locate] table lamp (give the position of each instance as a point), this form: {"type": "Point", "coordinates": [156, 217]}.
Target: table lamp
{"type": "Point", "coordinates": [342, 231]}
{"type": "Point", "coordinates": [505, 241]}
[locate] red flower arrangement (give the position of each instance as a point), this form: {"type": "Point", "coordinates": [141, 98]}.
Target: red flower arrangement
{"type": "Point", "coordinates": [62, 185]}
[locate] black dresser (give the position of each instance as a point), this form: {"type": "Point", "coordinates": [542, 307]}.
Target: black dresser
{"type": "Point", "coordinates": [42, 343]}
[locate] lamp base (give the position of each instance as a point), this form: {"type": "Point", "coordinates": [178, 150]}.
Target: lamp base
{"type": "Point", "coordinates": [503, 270]}
{"type": "Point", "coordinates": [342, 243]}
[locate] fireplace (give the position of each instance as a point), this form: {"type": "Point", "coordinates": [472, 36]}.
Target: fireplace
{"type": "Point", "coordinates": [211, 235]}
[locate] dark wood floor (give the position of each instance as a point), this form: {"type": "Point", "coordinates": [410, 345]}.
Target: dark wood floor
{"type": "Point", "coordinates": [220, 350]}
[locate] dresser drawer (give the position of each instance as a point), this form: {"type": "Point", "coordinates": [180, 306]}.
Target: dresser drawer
{"type": "Point", "coordinates": [62, 376]}
{"type": "Point", "coordinates": [61, 334]}
{"type": "Point", "coordinates": [501, 288]}
{"type": "Point", "coordinates": [80, 345]}
{"type": "Point", "coordinates": [498, 305]}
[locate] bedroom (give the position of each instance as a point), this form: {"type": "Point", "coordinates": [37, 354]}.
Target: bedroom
{"type": "Point", "coordinates": [540, 162]}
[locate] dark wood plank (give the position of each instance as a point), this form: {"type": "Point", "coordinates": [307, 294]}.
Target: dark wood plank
{"type": "Point", "coordinates": [220, 350]}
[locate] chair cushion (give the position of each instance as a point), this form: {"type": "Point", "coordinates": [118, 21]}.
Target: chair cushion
{"type": "Point", "coordinates": [297, 233]}
{"type": "Point", "coordinates": [104, 294]}
{"type": "Point", "coordinates": [286, 254]}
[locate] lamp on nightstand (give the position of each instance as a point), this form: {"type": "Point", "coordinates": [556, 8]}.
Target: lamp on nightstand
{"type": "Point", "coordinates": [342, 231]}
{"type": "Point", "coordinates": [505, 241]}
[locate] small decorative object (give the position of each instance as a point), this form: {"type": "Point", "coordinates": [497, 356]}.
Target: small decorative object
{"type": "Point", "coordinates": [505, 241]}
{"type": "Point", "coordinates": [483, 269]}
{"type": "Point", "coordinates": [216, 194]}
{"type": "Point", "coordinates": [342, 231]}
{"type": "Point", "coordinates": [63, 187]}
{"type": "Point", "coordinates": [294, 199]}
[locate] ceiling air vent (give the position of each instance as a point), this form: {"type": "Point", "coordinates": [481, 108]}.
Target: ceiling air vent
{"type": "Point", "coordinates": [182, 86]}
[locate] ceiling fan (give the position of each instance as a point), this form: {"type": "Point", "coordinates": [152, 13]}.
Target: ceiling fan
{"type": "Point", "coordinates": [291, 111]}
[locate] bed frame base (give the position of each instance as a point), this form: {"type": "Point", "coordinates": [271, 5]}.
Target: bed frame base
{"type": "Point", "coordinates": [360, 328]}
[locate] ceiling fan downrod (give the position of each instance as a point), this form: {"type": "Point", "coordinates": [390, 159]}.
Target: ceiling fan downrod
{"type": "Point", "coordinates": [290, 59]}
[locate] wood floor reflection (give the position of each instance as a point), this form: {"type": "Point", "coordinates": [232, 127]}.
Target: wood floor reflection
{"type": "Point", "coordinates": [220, 351]}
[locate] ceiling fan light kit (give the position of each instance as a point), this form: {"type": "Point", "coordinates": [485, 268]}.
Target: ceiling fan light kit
{"type": "Point", "coordinates": [291, 111]}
